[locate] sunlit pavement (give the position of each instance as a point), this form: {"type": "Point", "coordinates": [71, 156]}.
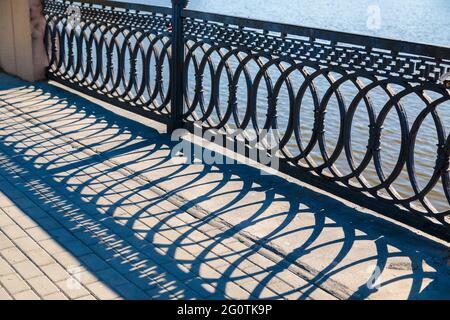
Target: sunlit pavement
{"type": "Point", "coordinates": [93, 207]}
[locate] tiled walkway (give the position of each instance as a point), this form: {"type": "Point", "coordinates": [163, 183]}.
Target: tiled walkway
{"type": "Point", "coordinates": [91, 207]}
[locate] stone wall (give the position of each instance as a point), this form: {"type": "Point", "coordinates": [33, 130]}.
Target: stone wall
{"type": "Point", "coordinates": [22, 51]}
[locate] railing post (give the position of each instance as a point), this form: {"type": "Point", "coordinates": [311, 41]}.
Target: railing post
{"type": "Point", "coordinates": [177, 66]}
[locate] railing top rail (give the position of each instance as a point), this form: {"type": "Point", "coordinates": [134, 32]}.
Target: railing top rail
{"type": "Point", "coordinates": [398, 46]}
{"type": "Point", "coordinates": [123, 5]}
{"type": "Point", "coordinates": [393, 45]}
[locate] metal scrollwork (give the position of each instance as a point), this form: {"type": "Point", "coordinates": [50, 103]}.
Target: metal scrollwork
{"type": "Point", "coordinates": [369, 114]}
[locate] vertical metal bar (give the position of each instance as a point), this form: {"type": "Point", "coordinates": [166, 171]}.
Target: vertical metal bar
{"type": "Point", "coordinates": [177, 67]}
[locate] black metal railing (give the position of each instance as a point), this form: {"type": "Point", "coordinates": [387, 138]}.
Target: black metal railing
{"type": "Point", "coordinates": [364, 117]}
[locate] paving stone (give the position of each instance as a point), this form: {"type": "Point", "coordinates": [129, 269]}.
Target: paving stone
{"type": "Point", "coordinates": [139, 277]}
{"type": "Point", "coordinates": [26, 244]}
{"type": "Point", "coordinates": [93, 262]}
{"type": "Point", "coordinates": [183, 255]}
{"type": "Point", "coordinates": [5, 220]}
{"type": "Point", "coordinates": [101, 291]}
{"type": "Point", "coordinates": [253, 286]}
{"type": "Point", "coordinates": [40, 257]}
{"type": "Point", "coordinates": [26, 295]}
{"type": "Point", "coordinates": [5, 243]}
{"type": "Point", "coordinates": [86, 277]}
{"type": "Point", "coordinates": [13, 255]}
{"type": "Point", "coordinates": [43, 285]}
{"type": "Point", "coordinates": [55, 272]}
{"type": "Point", "coordinates": [261, 261]}
{"type": "Point", "coordinates": [207, 272]}
{"type": "Point", "coordinates": [280, 287]}
{"type": "Point", "coordinates": [104, 251]}
{"type": "Point", "coordinates": [27, 269]}
{"type": "Point", "coordinates": [55, 296]}
{"type": "Point", "coordinates": [5, 267]}
{"type": "Point", "coordinates": [35, 212]}
{"type": "Point", "coordinates": [198, 287]}
{"type": "Point", "coordinates": [52, 246]}
{"type": "Point", "coordinates": [86, 237]}
{"type": "Point", "coordinates": [89, 297]}
{"type": "Point", "coordinates": [268, 294]}
{"type": "Point", "coordinates": [67, 260]}
{"type": "Point", "coordinates": [13, 232]}
{"type": "Point", "coordinates": [5, 202]}
{"type": "Point", "coordinates": [25, 222]}
{"type": "Point", "coordinates": [111, 277]}
{"type": "Point", "coordinates": [13, 283]}
{"type": "Point", "coordinates": [234, 291]}
{"type": "Point", "coordinates": [4, 295]}
{"type": "Point", "coordinates": [72, 288]}
{"type": "Point", "coordinates": [16, 213]}
{"type": "Point", "coordinates": [62, 235]}
{"type": "Point", "coordinates": [129, 291]}
{"type": "Point", "coordinates": [292, 279]}
{"type": "Point", "coordinates": [179, 271]}
{"type": "Point", "coordinates": [38, 234]}
{"type": "Point", "coordinates": [48, 223]}
{"type": "Point", "coordinates": [319, 294]}
{"type": "Point", "coordinates": [77, 248]}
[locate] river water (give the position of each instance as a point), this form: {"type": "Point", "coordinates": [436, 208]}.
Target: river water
{"type": "Point", "coordinates": [425, 21]}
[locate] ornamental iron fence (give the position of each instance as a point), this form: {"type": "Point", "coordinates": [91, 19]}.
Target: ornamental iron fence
{"type": "Point", "coordinates": [366, 118]}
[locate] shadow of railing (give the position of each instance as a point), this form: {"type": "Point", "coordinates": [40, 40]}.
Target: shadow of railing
{"type": "Point", "coordinates": [162, 249]}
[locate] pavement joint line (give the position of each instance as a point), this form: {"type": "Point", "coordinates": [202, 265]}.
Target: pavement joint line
{"type": "Point", "coordinates": [268, 250]}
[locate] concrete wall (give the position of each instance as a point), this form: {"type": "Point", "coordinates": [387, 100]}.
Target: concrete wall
{"type": "Point", "coordinates": [22, 50]}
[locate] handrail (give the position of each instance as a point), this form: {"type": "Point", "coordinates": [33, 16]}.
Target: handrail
{"type": "Point", "coordinates": [391, 44]}
{"type": "Point", "coordinates": [429, 50]}
{"type": "Point", "coordinates": [122, 5]}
